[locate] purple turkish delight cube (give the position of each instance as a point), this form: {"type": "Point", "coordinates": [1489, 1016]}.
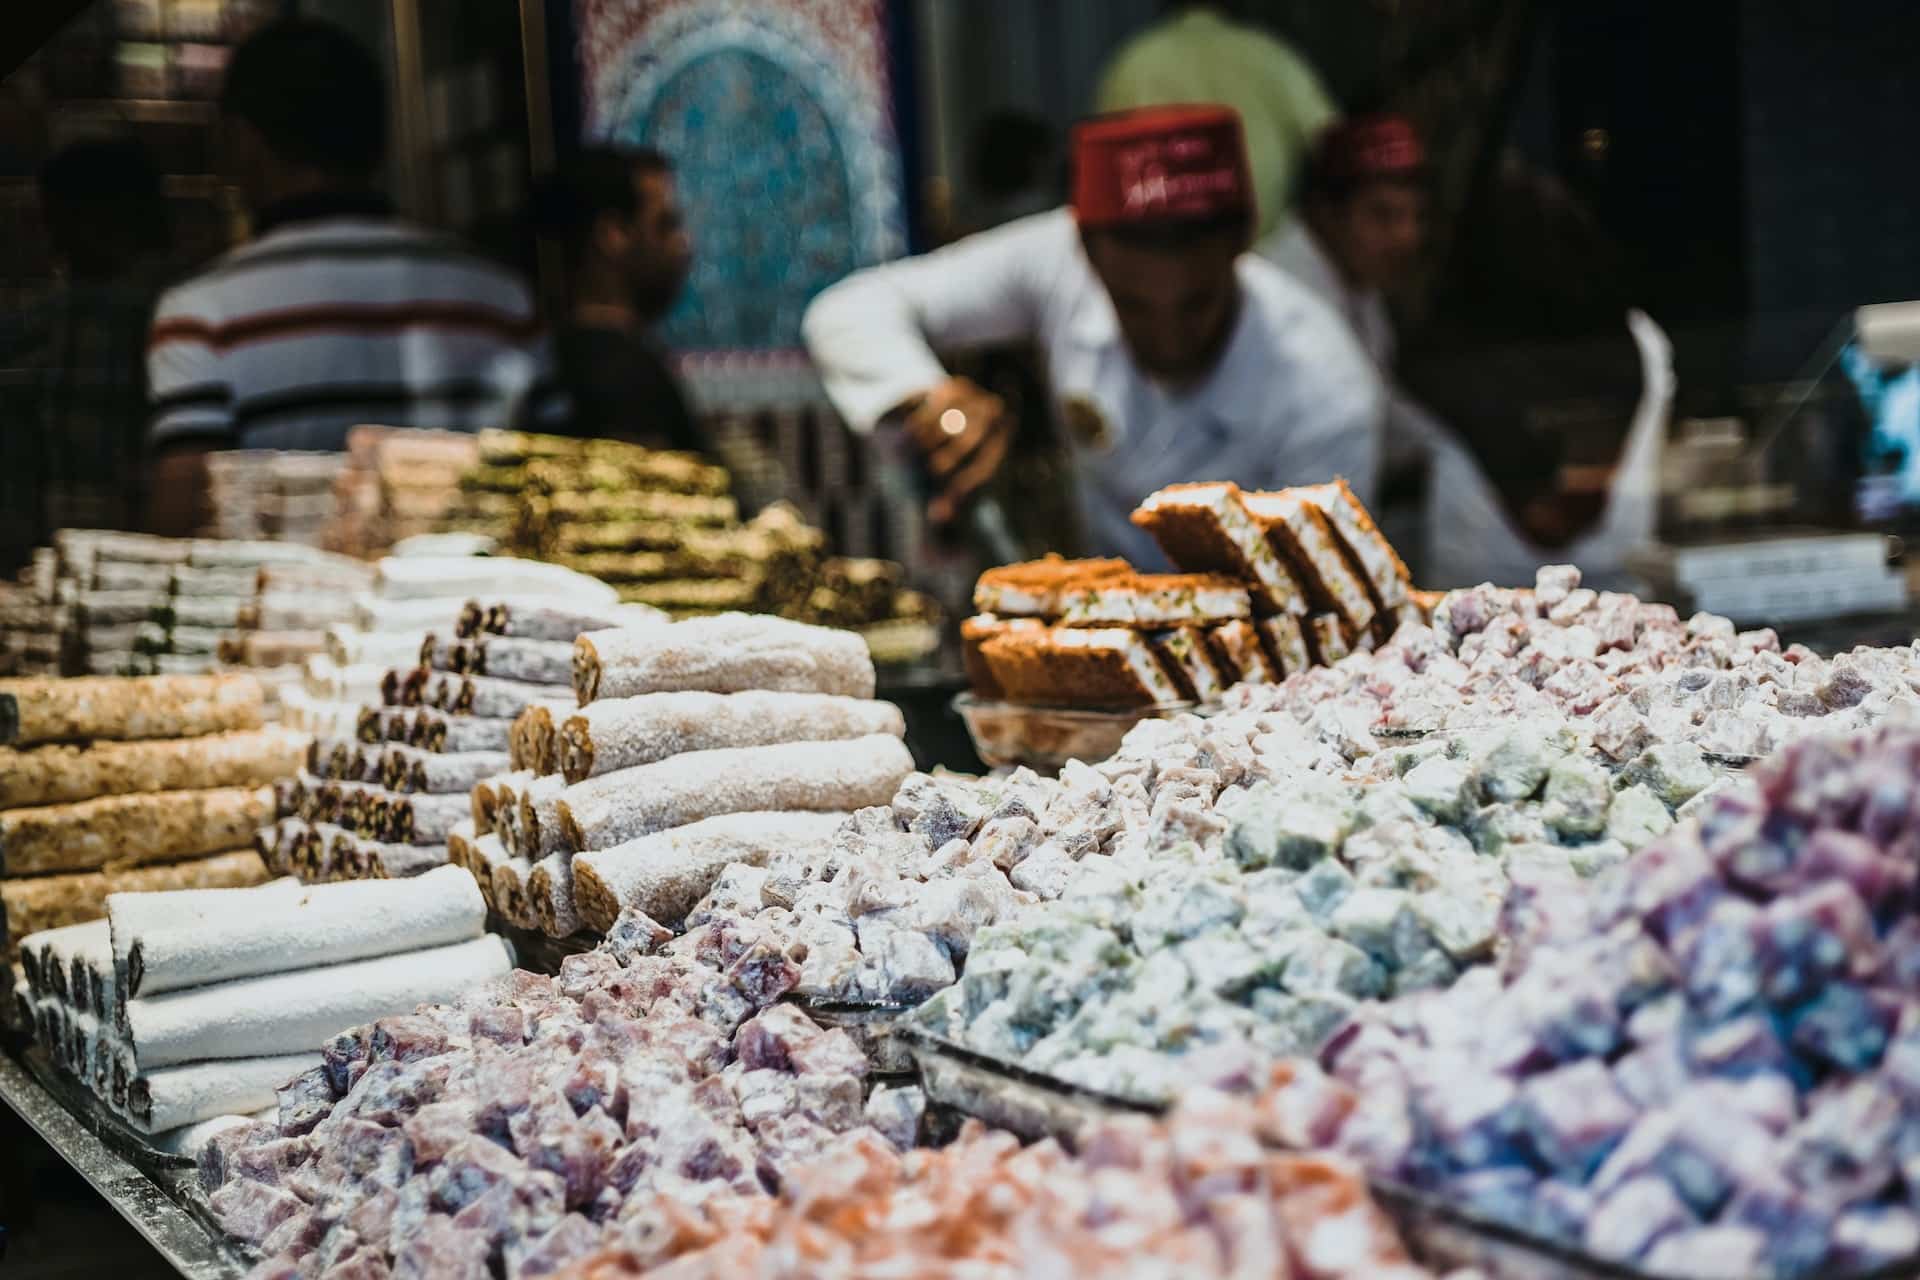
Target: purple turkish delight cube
{"type": "Point", "coordinates": [1654, 1074]}
{"type": "Point", "coordinates": [1859, 861]}
{"type": "Point", "coordinates": [439, 1250]}
{"type": "Point", "coordinates": [1633, 1217]}
{"type": "Point", "coordinates": [407, 1038]}
{"type": "Point", "coordinates": [1562, 1210]}
{"type": "Point", "coordinates": [1846, 1151]}
{"type": "Point", "coordinates": [1504, 1194]}
{"type": "Point", "coordinates": [1711, 1253]}
{"type": "Point", "coordinates": [1743, 1046]}
{"type": "Point", "coordinates": [305, 1101]}
{"type": "Point", "coordinates": [1845, 1025]}
{"type": "Point", "coordinates": [1472, 1118]}
{"type": "Point", "coordinates": [1573, 1116]}
{"type": "Point", "coordinates": [1720, 958]}
{"type": "Point", "coordinates": [1874, 1237]}
{"type": "Point", "coordinates": [1816, 934]}
{"type": "Point", "coordinates": [1797, 1226]}
{"type": "Point", "coordinates": [1674, 885]}
{"type": "Point", "coordinates": [1768, 1099]}
{"type": "Point", "coordinates": [1900, 956]}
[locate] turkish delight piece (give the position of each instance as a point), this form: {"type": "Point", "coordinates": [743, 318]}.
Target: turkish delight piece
{"type": "Point", "coordinates": [1872, 1237]}
{"type": "Point", "coordinates": [896, 1113]}
{"type": "Point", "coordinates": [1578, 795]}
{"type": "Point", "coordinates": [1637, 816]}
{"type": "Point", "coordinates": [1845, 1025]}
{"type": "Point", "coordinates": [1797, 1228]}
{"type": "Point", "coordinates": [1631, 1219]}
{"type": "Point", "coordinates": [1330, 965]}
{"type": "Point", "coordinates": [1442, 789]}
{"type": "Point", "coordinates": [1712, 1253]}
{"type": "Point", "coordinates": [1674, 771]}
{"type": "Point", "coordinates": [1574, 1115]}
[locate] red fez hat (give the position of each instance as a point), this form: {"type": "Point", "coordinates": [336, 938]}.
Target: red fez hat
{"type": "Point", "coordinates": [1160, 164]}
{"type": "Point", "coordinates": [1372, 146]}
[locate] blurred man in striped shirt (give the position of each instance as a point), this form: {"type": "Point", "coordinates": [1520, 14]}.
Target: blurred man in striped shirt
{"type": "Point", "coordinates": [336, 313]}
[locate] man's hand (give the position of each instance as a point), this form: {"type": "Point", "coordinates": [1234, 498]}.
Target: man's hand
{"type": "Point", "coordinates": [965, 432]}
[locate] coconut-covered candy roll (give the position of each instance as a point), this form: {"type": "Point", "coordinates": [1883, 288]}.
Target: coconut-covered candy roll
{"type": "Point", "coordinates": [664, 875]}
{"type": "Point", "coordinates": [510, 897]}
{"type": "Point", "coordinates": [288, 1011]}
{"type": "Point", "coordinates": [840, 776]}
{"type": "Point", "coordinates": [409, 769]}
{"type": "Point", "coordinates": [65, 774]}
{"type": "Point", "coordinates": [130, 830]}
{"type": "Point", "coordinates": [493, 697]}
{"type": "Point", "coordinates": [730, 653]}
{"type": "Point", "coordinates": [406, 861]}
{"type": "Point", "coordinates": [536, 622]}
{"type": "Point", "coordinates": [550, 890]}
{"type": "Point", "coordinates": [423, 819]}
{"type": "Point", "coordinates": [620, 733]}
{"type": "Point", "coordinates": [508, 658]}
{"type": "Point", "coordinates": [540, 829]}
{"type": "Point", "coordinates": [126, 708]}
{"type": "Point", "coordinates": [433, 730]}
{"type": "Point", "coordinates": [535, 741]}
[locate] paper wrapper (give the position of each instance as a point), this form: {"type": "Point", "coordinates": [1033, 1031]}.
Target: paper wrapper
{"type": "Point", "coordinates": [126, 831]}
{"type": "Point", "coordinates": [665, 874]}
{"type": "Point", "coordinates": [126, 708]}
{"type": "Point", "coordinates": [28, 906]}
{"type": "Point", "coordinates": [65, 774]}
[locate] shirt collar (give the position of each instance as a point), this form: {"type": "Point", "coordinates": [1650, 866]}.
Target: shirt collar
{"type": "Point", "coordinates": [322, 204]}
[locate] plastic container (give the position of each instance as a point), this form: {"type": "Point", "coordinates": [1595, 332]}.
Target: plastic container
{"type": "Point", "coordinates": [1007, 734]}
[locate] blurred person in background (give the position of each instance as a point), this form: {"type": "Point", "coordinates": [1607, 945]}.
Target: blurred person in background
{"type": "Point", "coordinates": [618, 214]}
{"type": "Point", "coordinates": [1359, 238]}
{"type": "Point", "coordinates": [1200, 53]}
{"type": "Point", "coordinates": [336, 313]}
{"type": "Point", "coordinates": [1013, 168]}
{"type": "Point", "coordinates": [1171, 353]}
{"type": "Point", "coordinates": [75, 455]}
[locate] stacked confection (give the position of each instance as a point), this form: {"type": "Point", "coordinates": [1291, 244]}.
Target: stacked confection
{"type": "Point", "coordinates": [271, 495]}
{"type": "Point", "coordinates": [1272, 584]}
{"type": "Point", "coordinates": [664, 528]}
{"type": "Point", "coordinates": [654, 1104]}
{"type": "Point", "coordinates": [185, 1006]}
{"type": "Point", "coordinates": [106, 603]}
{"type": "Point", "coordinates": [395, 485]}
{"type": "Point", "coordinates": [1707, 1067]}
{"type": "Point", "coordinates": [129, 783]}
{"type": "Point", "coordinates": [33, 622]}
{"type": "Point", "coordinates": [389, 773]}
{"type": "Point", "coordinates": [693, 745]}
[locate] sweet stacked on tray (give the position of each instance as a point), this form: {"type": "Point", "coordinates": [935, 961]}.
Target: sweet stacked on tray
{"type": "Point", "coordinates": [538, 1119]}
{"type": "Point", "coordinates": [396, 484]}
{"type": "Point", "coordinates": [126, 783]}
{"type": "Point", "coordinates": [1706, 1068]}
{"type": "Point", "coordinates": [270, 494]}
{"type": "Point", "coordinates": [665, 529]}
{"type": "Point", "coordinates": [692, 745]}
{"type": "Point", "coordinates": [1271, 584]}
{"type": "Point", "coordinates": [181, 1007]}
{"type": "Point", "coordinates": [432, 699]}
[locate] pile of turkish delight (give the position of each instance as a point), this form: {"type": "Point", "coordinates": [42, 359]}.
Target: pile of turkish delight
{"type": "Point", "coordinates": [1633, 673]}
{"type": "Point", "coordinates": [1708, 1066]}
{"type": "Point", "coordinates": [539, 1119]}
{"type": "Point", "coordinates": [1195, 1195]}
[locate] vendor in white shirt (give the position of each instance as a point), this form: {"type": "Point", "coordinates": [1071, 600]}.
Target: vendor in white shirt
{"type": "Point", "coordinates": [1172, 354]}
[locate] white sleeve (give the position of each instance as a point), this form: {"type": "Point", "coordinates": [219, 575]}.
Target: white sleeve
{"type": "Point", "coordinates": [1340, 408]}
{"type": "Point", "coordinates": [188, 393]}
{"type": "Point", "coordinates": [872, 336]}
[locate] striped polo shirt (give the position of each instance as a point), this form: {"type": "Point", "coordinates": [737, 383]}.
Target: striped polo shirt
{"type": "Point", "coordinates": [338, 315]}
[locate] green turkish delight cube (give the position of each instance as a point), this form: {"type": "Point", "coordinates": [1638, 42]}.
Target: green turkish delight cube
{"type": "Point", "coordinates": [1578, 794]}
{"type": "Point", "coordinates": [1517, 764]}
{"type": "Point", "coordinates": [1324, 887]}
{"type": "Point", "coordinates": [1536, 857]}
{"type": "Point", "coordinates": [1290, 1026]}
{"type": "Point", "coordinates": [1637, 817]}
{"type": "Point", "coordinates": [1224, 963]}
{"type": "Point", "coordinates": [1183, 906]}
{"type": "Point", "coordinates": [1328, 964]}
{"type": "Point", "coordinates": [1590, 860]}
{"type": "Point", "coordinates": [1381, 923]}
{"type": "Point", "coordinates": [1442, 789]}
{"type": "Point", "coordinates": [1498, 827]}
{"type": "Point", "coordinates": [1431, 970]}
{"type": "Point", "coordinates": [1674, 771]}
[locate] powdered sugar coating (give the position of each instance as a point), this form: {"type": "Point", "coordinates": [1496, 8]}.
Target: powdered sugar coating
{"type": "Point", "coordinates": [729, 653]}
{"type": "Point", "coordinates": [621, 733]}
